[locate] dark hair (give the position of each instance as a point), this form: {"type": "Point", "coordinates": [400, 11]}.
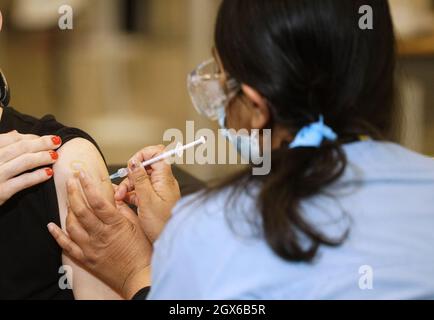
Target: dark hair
{"type": "Point", "coordinates": [308, 57]}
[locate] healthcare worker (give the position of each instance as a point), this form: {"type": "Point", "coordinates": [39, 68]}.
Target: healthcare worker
{"type": "Point", "coordinates": [344, 212]}
{"type": "Point", "coordinates": [22, 156]}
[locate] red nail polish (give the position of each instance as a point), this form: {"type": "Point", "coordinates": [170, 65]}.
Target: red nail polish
{"type": "Point", "coordinates": [49, 172]}
{"type": "Point", "coordinates": [56, 140]}
{"type": "Point", "coordinates": [54, 155]}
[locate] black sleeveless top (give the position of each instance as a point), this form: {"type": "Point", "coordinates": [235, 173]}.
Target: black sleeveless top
{"type": "Point", "coordinates": [29, 257]}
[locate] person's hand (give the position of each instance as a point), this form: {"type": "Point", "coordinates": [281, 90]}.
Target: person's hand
{"type": "Point", "coordinates": [21, 153]}
{"type": "Point", "coordinates": [154, 191]}
{"type": "Point", "coordinates": [106, 240]}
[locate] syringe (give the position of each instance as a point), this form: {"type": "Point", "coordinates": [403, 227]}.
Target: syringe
{"type": "Point", "coordinates": [178, 151]}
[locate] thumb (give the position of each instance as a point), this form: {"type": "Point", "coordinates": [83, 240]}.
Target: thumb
{"type": "Point", "coordinates": [141, 182]}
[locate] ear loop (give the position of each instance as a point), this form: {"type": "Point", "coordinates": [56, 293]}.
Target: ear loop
{"type": "Point", "coordinates": [245, 101]}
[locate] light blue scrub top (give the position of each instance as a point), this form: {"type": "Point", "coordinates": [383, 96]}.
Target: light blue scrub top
{"type": "Point", "coordinates": [386, 198]}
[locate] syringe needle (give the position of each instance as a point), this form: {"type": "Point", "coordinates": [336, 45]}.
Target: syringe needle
{"type": "Point", "coordinates": [179, 150]}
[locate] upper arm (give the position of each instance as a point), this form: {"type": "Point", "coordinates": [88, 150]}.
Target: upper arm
{"type": "Point", "coordinates": [82, 153]}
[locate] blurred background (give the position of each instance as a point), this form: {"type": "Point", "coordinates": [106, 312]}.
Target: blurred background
{"type": "Point", "coordinates": [120, 74]}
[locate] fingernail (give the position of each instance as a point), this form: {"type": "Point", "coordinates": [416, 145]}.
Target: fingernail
{"type": "Point", "coordinates": [69, 184]}
{"type": "Point", "coordinates": [54, 155]}
{"type": "Point", "coordinates": [82, 174]}
{"type": "Point", "coordinates": [70, 187]}
{"type": "Point", "coordinates": [56, 140]}
{"type": "Point", "coordinates": [134, 165]}
{"type": "Point", "coordinates": [130, 165]}
{"type": "Point", "coordinates": [50, 227]}
{"type": "Point", "coordinates": [49, 172]}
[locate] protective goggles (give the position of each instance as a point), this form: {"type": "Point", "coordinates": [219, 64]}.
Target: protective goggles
{"type": "Point", "coordinates": [208, 92]}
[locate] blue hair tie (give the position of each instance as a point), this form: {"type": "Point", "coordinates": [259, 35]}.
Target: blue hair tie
{"type": "Point", "coordinates": [313, 135]}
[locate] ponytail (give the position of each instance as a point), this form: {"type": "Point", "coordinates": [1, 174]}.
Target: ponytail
{"type": "Point", "coordinates": [297, 175]}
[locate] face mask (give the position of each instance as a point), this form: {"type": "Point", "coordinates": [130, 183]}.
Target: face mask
{"type": "Point", "coordinates": [247, 145]}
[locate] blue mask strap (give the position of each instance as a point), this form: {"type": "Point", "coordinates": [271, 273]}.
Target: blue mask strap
{"type": "Point", "coordinates": [313, 135]}
{"type": "Point", "coordinates": [222, 118]}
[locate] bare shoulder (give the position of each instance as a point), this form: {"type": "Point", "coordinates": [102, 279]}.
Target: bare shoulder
{"type": "Point", "coordinates": [75, 155]}
{"type": "Point", "coordinates": [80, 153]}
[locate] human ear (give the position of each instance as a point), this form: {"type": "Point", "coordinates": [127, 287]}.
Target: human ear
{"type": "Point", "coordinates": [1, 20]}
{"type": "Point", "coordinates": [260, 113]}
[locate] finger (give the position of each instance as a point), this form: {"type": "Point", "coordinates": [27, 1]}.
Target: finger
{"type": "Point", "coordinates": [27, 162]}
{"type": "Point", "coordinates": [151, 152]}
{"type": "Point", "coordinates": [160, 171]}
{"type": "Point", "coordinates": [68, 246]}
{"type": "Point", "coordinates": [30, 145]}
{"type": "Point", "coordinates": [102, 208]}
{"type": "Point", "coordinates": [142, 184]}
{"type": "Point", "coordinates": [140, 157]}
{"type": "Point", "coordinates": [123, 195]}
{"type": "Point", "coordinates": [13, 136]}
{"type": "Point", "coordinates": [78, 205]}
{"type": "Point", "coordinates": [24, 146]}
{"type": "Point", "coordinates": [131, 198]}
{"type": "Point", "coordinates": [30, 141]}
{"type": "Point", "coordinates": [75, 230]}
{"type": "Point", "coordinates": [123, 189]}
{"type": "Point", "coordinates": [26, 181]}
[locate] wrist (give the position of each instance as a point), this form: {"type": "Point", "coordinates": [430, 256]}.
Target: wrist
{"type": "Point", "coordinates": [135, 282]}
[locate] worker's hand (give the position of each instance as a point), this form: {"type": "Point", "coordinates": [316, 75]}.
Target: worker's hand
{"type": "Point", "coordinates": [106, 240]}
{"type": "Point", "coordinates": [19, 154]}
{"type": "Point", "coordinates": [154, 191]}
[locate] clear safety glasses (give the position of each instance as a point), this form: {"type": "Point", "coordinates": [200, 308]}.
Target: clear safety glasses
{"type": "Point", "coordinates": [208, 91]}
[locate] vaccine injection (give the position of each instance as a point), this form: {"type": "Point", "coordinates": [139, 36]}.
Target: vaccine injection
{"type": "Point", "coordinates": [178, 151]}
